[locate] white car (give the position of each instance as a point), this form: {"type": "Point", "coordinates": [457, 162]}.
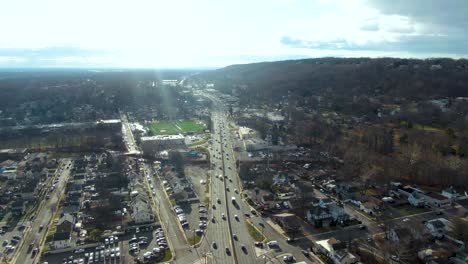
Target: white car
{"type": "Point", "coordinates": [406, 219]}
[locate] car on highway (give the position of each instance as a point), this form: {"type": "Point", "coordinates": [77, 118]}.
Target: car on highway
{"type": "Point", "coordinates": [289, 259]}
{"type": "Point", "coordinates": [272, 243]}
{"type": "Point", "coordinates": [406, 219]}
{"type": "Point", "coordinates": [214, 245]}
{"type": "Point", "coordinates": [223, 216]}
{"type": "Point", "coordinates": [80, 250]}
{"type": "Point", "coordinates": [234, 236]}
{"type": "Point", "coordinates": [244, 249]}
{"type": "Point", "coordinates": [218, 200]}
{"type": "Point", "coordinates": [236, 217]}
{"type": "Point", "coordinates": [228, 251]}
{"type": "Point", "coordinates": [306, 253]}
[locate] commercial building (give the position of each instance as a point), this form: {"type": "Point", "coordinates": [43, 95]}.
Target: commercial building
{"type": "Point", "coordinates": [247, 133]}
{"type": "Point", "coordinates": [155, 144]}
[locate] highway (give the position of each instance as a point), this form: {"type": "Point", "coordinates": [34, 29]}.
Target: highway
{"type": "Point", "coordinates": [233, 184]}
{"type": "Point", "coordinates": [43, 217]}
{"type": "Point", "coordinates": [221, 232]}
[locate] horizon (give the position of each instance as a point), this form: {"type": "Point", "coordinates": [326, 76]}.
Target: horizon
{"type": "Point", "coordinates": [214, 34]}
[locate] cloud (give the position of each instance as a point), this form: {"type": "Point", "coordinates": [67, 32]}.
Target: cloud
{"type": "Point", "coordinates": [370, 26]}
{"type": "Point", "coordinates": [450, 13]}
{"type": "Point", "coordinates": [409, 43]}
{"type": "Point", "coordinates": [54, 57]}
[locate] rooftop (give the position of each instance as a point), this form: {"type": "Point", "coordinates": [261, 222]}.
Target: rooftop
{"type": "Point", "coordinates": [162, 137]}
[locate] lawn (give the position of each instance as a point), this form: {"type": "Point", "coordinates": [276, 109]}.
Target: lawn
{"type": "Point", "coordinates": [427, 128]}
{"type": "Point", "coordinates": [163, 128]}
{"type": "Point", "coordinates": [171, 128]}
{"type": "Point", "coordinates": [411, 210]}
{"type": "Point", "coordinates": [193, 240]}
{"type": "Point", "coordinates": [190, 126]}
{"type": "Point", "coordinates": [167, 257]}
{"type": "Point", "coordinates": [254, 233]}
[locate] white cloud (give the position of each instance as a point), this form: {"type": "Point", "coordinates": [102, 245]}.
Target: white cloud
{"type": "Point", "coordinates": [197, 33]}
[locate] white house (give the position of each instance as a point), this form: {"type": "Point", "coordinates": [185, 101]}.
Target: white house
{"type": "Point", "coordinates": [62, 237]}
{"type": "Point", "coordinates": [398, 234]}
{"type": "Point", "coordinates": [450, 193]}
{"type": "Point", "coordinates": [142, 212]}
{"type": "Point", "coordinates": [335, 250]}
{"type": "Point", "coordinates": [436, 199]}
{"type": "Point", "coordinates": [416, 199]}
{"type": "Point", "coordinates": [438, 227]}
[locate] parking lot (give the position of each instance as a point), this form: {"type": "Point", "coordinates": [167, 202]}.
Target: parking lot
{"type": "Point", "coordinates": [147, 245]}
{"type": "Point", "coordinates": [107, 252]}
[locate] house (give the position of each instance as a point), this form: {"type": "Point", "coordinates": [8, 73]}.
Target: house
{"type": "Point", "coordinates": [450, 193]}
{"type": "Point", "coordinates": [437, 227]}
{"type": "Point", "coordinates": [436, 199]}
{"type": "Point", "coordinates": [416, 199]}
{"type": "Point", "coordinates": [322, 202]}
{"type": "Point", "coordinates": [317, 214]}
{"type": "Point", "coordinates": [142, 212]}
{"type": "Point", "coordinates": [289, 222]}
{"type": "Point", "coordinates": [347, 190]}
{"type": "Point", "coordinates": [62, 237]}
{"type": "Point", "coordinates": [335, 251]}
{"type": "Point", "coordinates": [398, 234]}
{"type": "Point", "coordinates": [331, 214]}
{"type": "Point", "coordinates": [407, 190]}
{"type": "Point", "coordinates": [18, 207]}
{"type": "Point", "coordinates": [370, 205]}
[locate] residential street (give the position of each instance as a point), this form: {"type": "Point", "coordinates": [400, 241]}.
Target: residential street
{"type": "Point", "coordinates": [34, 234]}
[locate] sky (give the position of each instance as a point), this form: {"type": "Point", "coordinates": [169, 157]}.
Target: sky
{"type": "Point", "coordinates": [217, 33]}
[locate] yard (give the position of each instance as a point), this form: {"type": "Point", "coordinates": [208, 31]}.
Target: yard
{"type": "Point", "coordinates": [411, 210]}
{"type": "Point", "coordinates": [172, 128]}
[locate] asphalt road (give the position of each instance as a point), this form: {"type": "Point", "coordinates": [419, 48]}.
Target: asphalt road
{"type": "Point", "coordinates": [128, 136]}
{"type": "Point", "coordinates": [222, 231]}
{"type": "Point", "coordinates": [169, 222]}
{"type": "Point", "coordinates": [43, 216]}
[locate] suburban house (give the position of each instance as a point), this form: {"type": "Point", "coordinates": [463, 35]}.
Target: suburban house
{"type": "Point", "coordinates": [333, 213]}
{"type": "Point", "coordinates": [347, 190]}
{"type": "Point", "coordinates": [450, 193]}
{"type": "Point", "coordinates": [370, 205]}
{"type": "Point", "coordinates": [62, 237]}
{"type": "Point", "coordinates": [142, 212]}
{"type": "Point", "coordinates": [436, 199]}
{"type": "Point", "coordinates": [18, 207]}
{"type": "Point", "coordinates": [438, 227]}
{"type": "Point", "coordinates": [335, 251]}
{"type": "Point", "coordinates": [289, 222]}
{"type": "Point", "coordinates": [407, 190]}
{"type": "Point", "coordinates": [397, 234]}
{"type": "Point", "coordinates": [416, 199]}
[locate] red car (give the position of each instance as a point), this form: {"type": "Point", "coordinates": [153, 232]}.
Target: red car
{"type": "Point", "coordinates": [259, 244]}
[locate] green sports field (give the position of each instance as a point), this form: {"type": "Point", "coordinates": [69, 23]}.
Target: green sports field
{"type": "Point", "coordinates": [172, 128]}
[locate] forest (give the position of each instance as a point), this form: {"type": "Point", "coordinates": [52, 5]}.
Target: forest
{"type": "Point", "coordinates": [388, 119]}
